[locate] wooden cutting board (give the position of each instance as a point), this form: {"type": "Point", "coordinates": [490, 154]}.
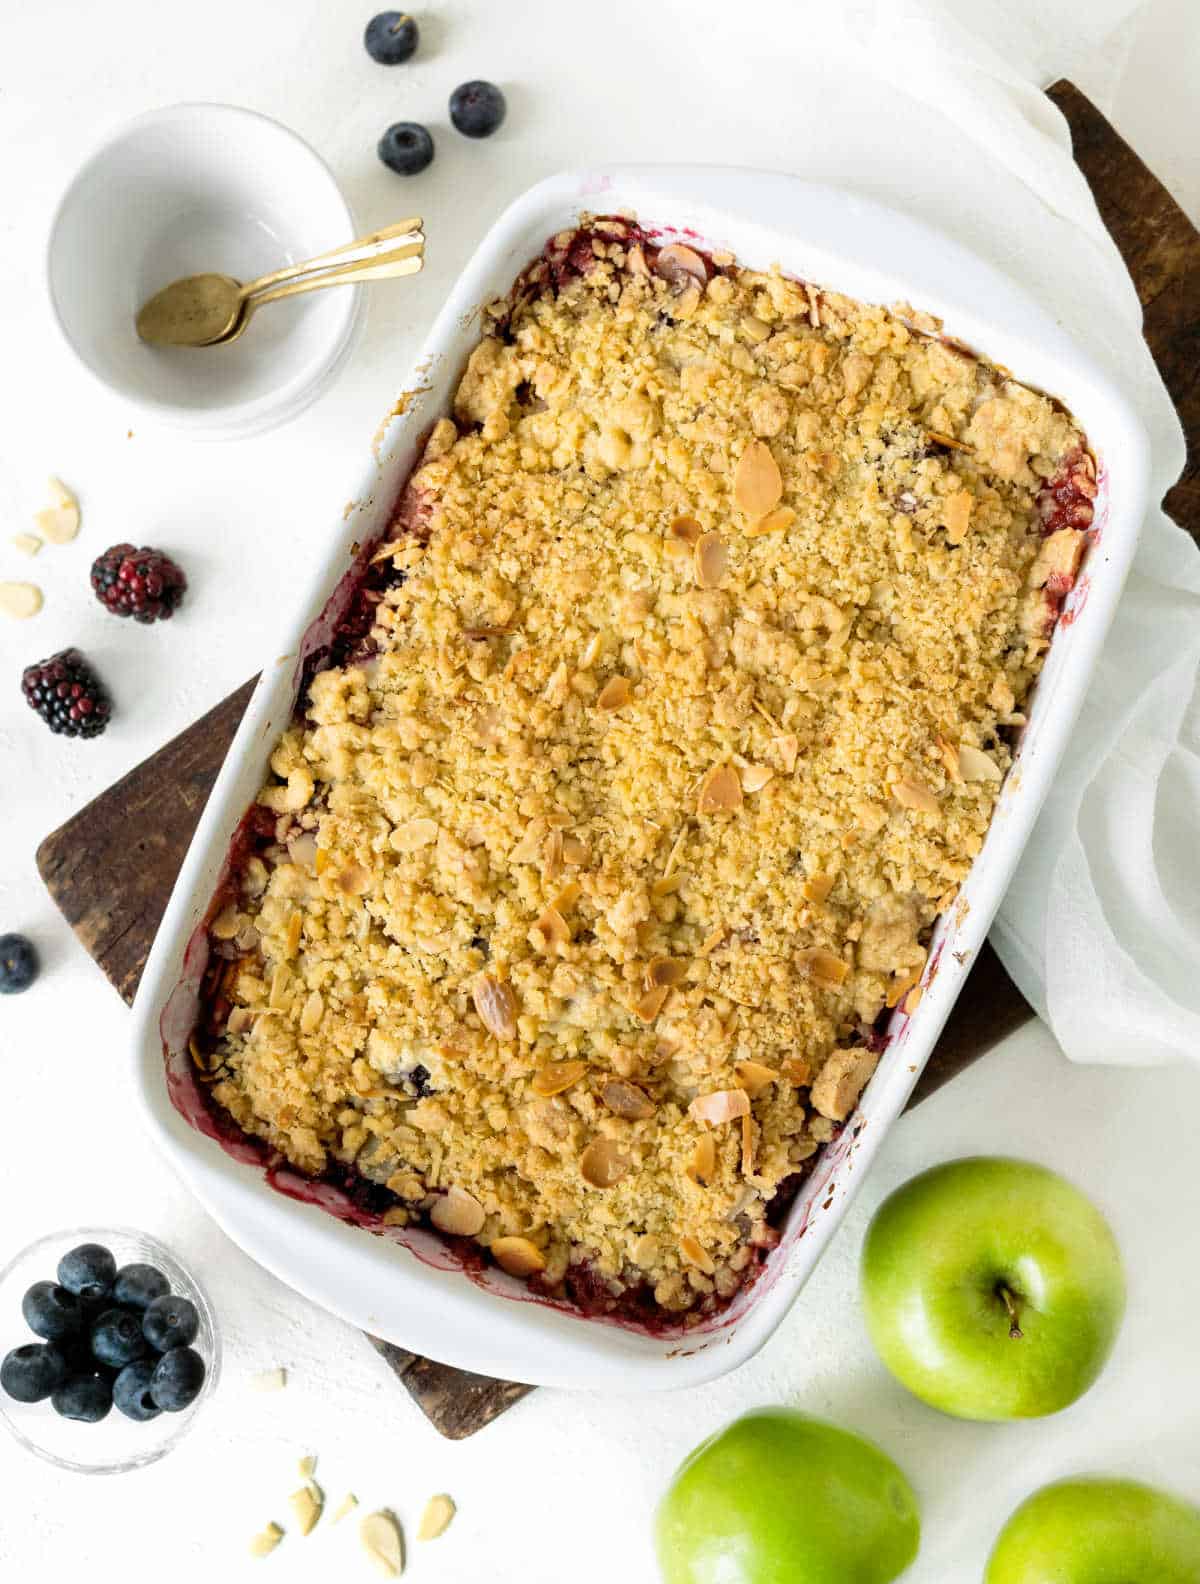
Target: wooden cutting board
{"type": "Point", "coordinates": [110, 869]}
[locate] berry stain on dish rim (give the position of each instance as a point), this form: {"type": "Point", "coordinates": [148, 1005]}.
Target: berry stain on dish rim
{"type": "Point", "coordinates": [337, 637]}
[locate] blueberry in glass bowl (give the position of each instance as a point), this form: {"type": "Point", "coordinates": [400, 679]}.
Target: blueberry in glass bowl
{"type": "Point", "coordinates": [108, 1349]}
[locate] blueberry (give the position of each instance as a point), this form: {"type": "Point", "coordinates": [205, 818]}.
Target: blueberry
{"type": "Point", "coordinates": [84, 1397]}
{"type": "Point", "coordinates": [406, 148]}
{"type": "Point", "coordinates": [131, 1391]}
{"type": "Point", "coordinates": [117, 1337]}
{"type": "Point", "coordinates": [52, 1312]}
{"type": "Point", "coordinates": [18, 964]}
{"type": "Point", "coordinates": [88, 1271]}
{"type": "Point", "coordinates": [477, 108]}
{"type": "Point", "coordinates": [137, 1286]}
{"type": "Point", "coordinates": [170, 1322]}
{"type": "Point", "coordinates": [391, 37]}
{"type": "Point", "coordinates": [32, 1372]}
{"type": "Point", "coordinates": [177, 1379]}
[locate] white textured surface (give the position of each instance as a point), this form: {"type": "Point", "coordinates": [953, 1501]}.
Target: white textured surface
{"type": "Point", "coordinates": [559, 1488]}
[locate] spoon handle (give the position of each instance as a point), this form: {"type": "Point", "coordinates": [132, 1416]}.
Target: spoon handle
{"type": "Point", "coordinates": [404, 260]}
{"type": "Point", "coordinates": [347, 251]}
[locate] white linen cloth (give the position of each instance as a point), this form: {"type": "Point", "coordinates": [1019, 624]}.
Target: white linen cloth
{"type": "Point", "coordinates": [1101, 927]}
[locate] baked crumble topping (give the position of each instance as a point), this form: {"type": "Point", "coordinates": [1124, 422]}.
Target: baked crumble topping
{"type": "Point", "coordinates": [584, 882]}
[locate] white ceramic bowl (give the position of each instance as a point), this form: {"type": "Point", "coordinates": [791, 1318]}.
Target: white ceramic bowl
{"type": "Point", "coordinates": [405, 1286]}
{"type": "Point", "coordinates": [190, 188]}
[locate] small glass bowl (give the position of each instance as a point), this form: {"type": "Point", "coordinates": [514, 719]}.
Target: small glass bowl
{"type": "Point", "coordinates": [116, 1444]}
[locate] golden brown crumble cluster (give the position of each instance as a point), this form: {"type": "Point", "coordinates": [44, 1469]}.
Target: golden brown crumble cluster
{"type": "Point", "coordinates": [685, 721]}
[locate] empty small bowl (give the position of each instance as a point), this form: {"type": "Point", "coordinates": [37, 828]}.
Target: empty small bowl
{"type": "Point", "coordinates": [181, 191]}
{"type": "Point", "coordinates": [116, 1444]}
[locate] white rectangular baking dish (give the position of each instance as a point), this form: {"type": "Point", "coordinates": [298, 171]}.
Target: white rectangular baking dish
{"type": "Point", "coordinates": [406, 1287]}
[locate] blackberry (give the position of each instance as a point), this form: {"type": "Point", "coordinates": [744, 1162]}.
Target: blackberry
{"type": "Point", "coordinates": [67, 694]}
{"type": "Point", "coordinates": [144, 584]}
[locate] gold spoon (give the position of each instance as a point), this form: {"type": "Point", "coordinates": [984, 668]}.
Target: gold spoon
{"type": "Point", "coordinates": [212, 310]}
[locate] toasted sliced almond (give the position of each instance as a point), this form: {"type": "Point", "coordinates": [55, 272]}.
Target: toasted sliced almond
{"type": "Point", "coordinates": [266, 1540]}
{"type": "Point", "coordinates": [497, 1006]}
{"type": "Point", "coordinates": [57, 525]}
{"type": "Point", "coordinates": [956, 515]}
{"type": "Point", "coordinates": [912, 793]}
{"type": "Point", "coordinates": [306, 1504]}
{"type": "Point", "coordinates": [27, 544]}
{"type": "Point", "coordinates": [754, 1077]}
{"type": "Point", "coordinates": [667, 885]}
{"type": "Point", "coordinates": [947, 440]}
{"type": "Point", "coordinates": [749, 1142]}
{"type": "Point", "coordinates": [712, 940]}
{"type": "Point", "coordinates": [307, 1466]}
{"type": "Point", "coordinates": [58, 492]}
{"type": "Point", "coordinates": [755, 777]}
{"type": "Point", "coordinates": [797, 1070]}
{"type": "Point", "coordinates": [694, 1253]}
{"type": "Point", "coordinates": [413, 834]}
{"type": "Point", "coordinates": [901, 985]}
{"type": "Point", "coordinates": [556, 1077]}
{"type": "Point", "coordinates": [687, 529]}
{"type": "Point", "coordinates": [680, 265]}
{"type": "Point", "coordinates": [615, 694]}
{"type": "Point", "coordinates": [383, 1542]}
{"type": "Point", "coordinates": [458, 1213]}
{"type": "Point", "coordinates": [976, 765]}
{"type": "Point", "coordinates": [435, 1520]}
{"type": "Point", "coordinates": [627, 1100]}
{"type": "Point", "coordinates": [574, 851]}
{"type": "Point", "coordinates": [566, 899]}
{"type": "Point", "coordinates": [823, 968]}
{"type": "Point", "coordinates": [354, 880]}
{"type": "Point", "coordinates": [269, 1380]}
{"type": "Point", "coordinates": [702, 1167]}
{"type": "Point", "coordinates": [552, 851]}
{"type": "Point", "coordinates": [665, 971]}
{"type": "Point", "coordinates": [774, 522]}
{"type": "Point", "coordinates": [552, 927]}
{"type": "Point", "coordinates": [817, 888]}
{"type": "Point", "coordinates": [710, 560]}
{"type": "Point", "coordinates": [757, 482]}
{"type": "Point", "coordinates": [788, 749]}
{"type": "Point", "coordinates": [651, 1003]}
{"type": "Point", "coordinates": [720, 791]}
{"type": "Point", "coordinates": [518, 1256]}
{"type": "Point", "coordinates": [312, 1012]}
{"type": "Point", "coordinates": [347, 1505]}
{"type": "Point", "coordinates": [603, 1164]}
{"type": "Point", "coordinates": [20, 600]}
{"type": "Point", "coordinates": [948, 754]}
{"type": "Point", "coordinates": [722, 1105]}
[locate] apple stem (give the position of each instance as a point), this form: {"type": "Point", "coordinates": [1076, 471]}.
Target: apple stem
{"type": "Point", "coordinates": [1014, 1314]}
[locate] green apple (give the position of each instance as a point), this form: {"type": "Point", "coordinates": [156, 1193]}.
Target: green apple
{"type": "Point", "coordinates": [1098, 1531]}
{"type": "Point", "coordinates": [992, 1289]}
{"type": "Point", "coordinates": [778, 1497]}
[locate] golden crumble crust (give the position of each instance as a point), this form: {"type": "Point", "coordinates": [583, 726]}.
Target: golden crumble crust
{"type": "Point", "coordinates": [685, 720]}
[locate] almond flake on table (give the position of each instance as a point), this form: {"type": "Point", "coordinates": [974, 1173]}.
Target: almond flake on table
{"type": "Point", "coordinates": [266, 1540]}
{"type": "Point", "coordinates": [269, 1380]}
{"type": "Point", "coordinates": [27, 543]}
{"type": "Point", "coordinates": [20, 600]}
{"type": "Point", "coordinates": [383, 1542]}
{"type": "Point", "coordinates": [435, 1520]}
